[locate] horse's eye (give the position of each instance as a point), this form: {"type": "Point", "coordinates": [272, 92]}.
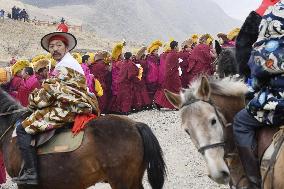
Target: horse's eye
{"type": "Point", "coordinates": [213, 121]}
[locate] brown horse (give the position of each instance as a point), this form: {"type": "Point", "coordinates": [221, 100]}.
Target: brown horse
{"type": "Point", "coordinates": [207, 111]}
{"type": "Point", "coordinates": [115, 149]}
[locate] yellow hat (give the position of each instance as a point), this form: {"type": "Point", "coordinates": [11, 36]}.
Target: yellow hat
{"type": "Point", "coordinates": [207, 38]}
{"type": "Point", "coordinates": [233, 34]}
{"type": "Point", "coordinates": [19, 66]}
{"type": "Point", "coordinates": [154, 46]}
{"type": "Point", "coordinates": [92, 56]}
{"type": "Point", "coordinates": [38, 57]}
{"type": "Point", "coordinates": [43, 63]}
{"type": "Point", "coordinates": [78, 57]}
{"type": "Point", "coordinates": [117, 51]}
{"type": "Point", "coordinates": [195, 38]}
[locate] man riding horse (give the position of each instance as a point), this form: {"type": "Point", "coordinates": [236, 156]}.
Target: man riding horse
{"type": "Point", "coordinates": [56, 103]}
{"type": "Point", "coordinates": [259, 50]}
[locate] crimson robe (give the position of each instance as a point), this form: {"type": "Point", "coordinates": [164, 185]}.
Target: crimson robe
{"type": "Point", "coordinates": [27, 86]}
{"type": "Point", "coordinates": [200, 62]}
{"type": "Point", "coordinates": [172, 80]}
{"type": "Point", "coordinates": [127, 78]}
{"type": "Point", "coordinates": [152, 74]}
{"type": "Point", "coordinates": [184, 66]}
{"type": "Point", "coordinates": [100, 71]}
{"type": "Point", "coordinates": [141, 96]}
{"type": "Point", "coordinates": [14, 86]}
{"type": "Point", "coordinates": [113, 104]}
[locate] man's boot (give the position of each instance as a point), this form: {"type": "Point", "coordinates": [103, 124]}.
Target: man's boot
{"type": "Point", "coordinates": [251, 166]}
{"type": "Point", "coordinates": [28, 153]}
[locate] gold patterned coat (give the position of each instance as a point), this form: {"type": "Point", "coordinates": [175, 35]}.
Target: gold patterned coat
{"type": "Point", "coordinates": [59, 101]}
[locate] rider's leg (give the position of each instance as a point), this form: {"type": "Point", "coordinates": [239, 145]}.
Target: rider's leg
{"type": "Point", "coordinates": [244, 131]}
{"type": "Point", "coordinates": [28, 152]}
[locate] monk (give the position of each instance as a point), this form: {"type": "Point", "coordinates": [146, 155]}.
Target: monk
{"type": "Point", "coordinates": [127, 78]}
{"type": "Point", "coordinates": [185, 53]}
{"type": "Point", "coordinates": [172, 80]}
{"type": "Point", "coordinates": [201, 59]}
{"type": "Point", "coordinates": [142, 99]}
{"type": "Point", "coordinates": [101, 71]}
{"type": "Point", "coordinates": [28, 84]}
{"type": "Point", "coordinates": [153, 61]}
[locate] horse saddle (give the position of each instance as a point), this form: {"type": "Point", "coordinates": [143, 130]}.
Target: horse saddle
{"type": "Point", "coordinates": [58, 141]}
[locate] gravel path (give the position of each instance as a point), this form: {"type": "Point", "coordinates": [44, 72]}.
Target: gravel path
{"type": "Point", "coordinates": [186, 168]}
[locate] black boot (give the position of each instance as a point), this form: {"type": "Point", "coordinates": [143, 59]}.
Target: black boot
{"type": "Point", "coordinates": [28, 153]}
{"type": "Point", "coordinates": [251, 166]}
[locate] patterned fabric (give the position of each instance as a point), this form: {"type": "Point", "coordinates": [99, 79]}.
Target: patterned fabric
{"type": "Point", "coordinates": [267, 68]}
{"type": "Point", "coordinates": [59, 101]}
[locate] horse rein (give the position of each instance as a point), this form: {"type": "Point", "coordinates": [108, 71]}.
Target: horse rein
{"type": "Point", "coordinates": [10, 113]}
{"type": "Point", "coordinates": [209, 146]}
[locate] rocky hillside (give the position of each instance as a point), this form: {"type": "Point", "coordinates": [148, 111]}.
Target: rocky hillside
{"type": "Point", "coordinates": [142, 20]}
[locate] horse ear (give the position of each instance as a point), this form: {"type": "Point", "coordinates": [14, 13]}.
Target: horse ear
{"type": "Point", "coordinates": [204, 90]}
{"type": "Point", "coordinates": [173, 98]}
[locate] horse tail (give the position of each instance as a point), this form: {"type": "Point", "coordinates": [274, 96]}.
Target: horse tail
{"type": "Point", "coordinates": [153, 157]}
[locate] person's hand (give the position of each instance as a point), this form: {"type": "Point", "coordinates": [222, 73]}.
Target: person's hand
{"type": "Point", "coordinates": [264, 5]}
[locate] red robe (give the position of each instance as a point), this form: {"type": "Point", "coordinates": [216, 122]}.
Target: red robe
{"type": "Point", "coordinates": [200, 62]}
{"type": "Point", "coordinates": [152, 74]}
{"type": "Point", "coordinates": [162, 68]}
{"type": "Point", "coordinates": [27, 86]}
{"type": "Point", "coordinates": [126, 93]}
{"type": "Point", "coordinates": [113, 104]}
{"type": "Point", "coordinates": [141, 96]}
{"type": "Point", "coordinates": [184, 66]}
{"type": "Point", "coordinates": [172, 80]}
{"type": "Point", "coordinates": [100, 71]}
{"type": "Point", "coordinates": [14, 86]}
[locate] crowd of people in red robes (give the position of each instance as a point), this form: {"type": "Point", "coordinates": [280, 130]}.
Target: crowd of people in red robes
{"type": "Point", "coordinates": [128, 82]}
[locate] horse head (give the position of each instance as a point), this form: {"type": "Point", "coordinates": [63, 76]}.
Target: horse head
{"type": "Point", "coordinates": [205, 121]}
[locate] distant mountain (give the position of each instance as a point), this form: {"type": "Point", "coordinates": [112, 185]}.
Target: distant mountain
{"type": "Point", "coordinates": [52, 3]}
{"type": "Point", "coordinates": [143, 20]}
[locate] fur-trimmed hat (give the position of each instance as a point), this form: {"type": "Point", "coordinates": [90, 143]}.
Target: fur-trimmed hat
{"type": "Point", "coordinates": [43, 63]}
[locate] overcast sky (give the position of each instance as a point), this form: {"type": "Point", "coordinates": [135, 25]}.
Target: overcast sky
{"type": "Point", "coordinates": [238, 9]}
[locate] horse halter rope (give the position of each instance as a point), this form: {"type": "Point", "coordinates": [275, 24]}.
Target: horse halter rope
{"type": "Point", "coordinates": [209, 146]}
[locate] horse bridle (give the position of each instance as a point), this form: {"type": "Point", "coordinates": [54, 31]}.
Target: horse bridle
{"type": "Point", "coordinates": [209, 146]}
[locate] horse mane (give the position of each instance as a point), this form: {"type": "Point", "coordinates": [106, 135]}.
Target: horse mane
{"type": "Point", "coordinates": [228, 86]}
{"type": "Point", "coordinates": [7, 102]}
